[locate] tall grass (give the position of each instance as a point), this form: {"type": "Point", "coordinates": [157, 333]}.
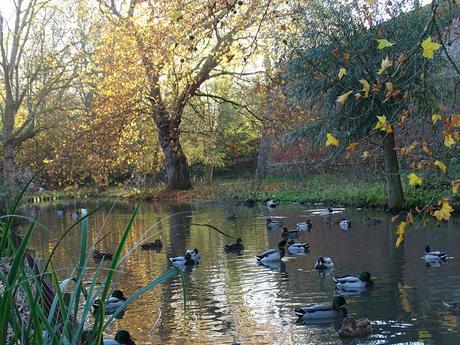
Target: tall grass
{"type": "Point", "coordinates": [53, 319]}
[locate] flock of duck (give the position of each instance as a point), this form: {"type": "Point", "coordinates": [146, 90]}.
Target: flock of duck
{"type": "Point", "coordinates": [345, 285]}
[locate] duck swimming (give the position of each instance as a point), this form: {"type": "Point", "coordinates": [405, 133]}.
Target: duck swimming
{"type": "Point", "coordinates": [435, 256]}
{"type": "Point", "coordinates": [354, 283]}
{"type": "Point", "coordinates": [181, 261]}
{"type": "Point", "coordinates": [273, 254]}
{"type": "Point", "coordinates": [324, 263]}
{"type": "Point", "coordinates": [355, 329]}
{"type": "Point", "coordinates": [152, 245]}
{"type": "Point", "coordinates": [296, 247]}
{"type": "Point", "coordinates": [102, 255]}
{"type": "Point", "coordinates": [304, 226]}
{"type": "Point", "coordinates": [272, 203]}
{"type": "Point", "coordinates": [195, 254]}
{"type": "Point", "coordinates": [285, 233]}
{"type": "Point", "coordinates": [274, 223]}
{"type": "Point", "coordinates": [454, 307]}
{"type": "Point", "coordinates": [121, 338]}
{"type": "Point", "coordinates": [112, 303]}
{"type": "Point", "coordinates": [235, 246]}
{"type": "Point", "coordinates": [344, 224]}
{"type": "Point", "coordinates": [327, 212]}
{"type": "Point", "coordinates": [333, 310]}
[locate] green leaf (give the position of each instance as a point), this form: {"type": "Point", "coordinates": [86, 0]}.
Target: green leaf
{"type": "Point", "coordinates": [383, 43]}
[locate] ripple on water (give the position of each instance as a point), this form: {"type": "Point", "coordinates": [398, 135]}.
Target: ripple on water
{"type": "Point", "coordinates": [230, 299]}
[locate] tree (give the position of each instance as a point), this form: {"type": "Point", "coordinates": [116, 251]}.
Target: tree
{"type": "Point", "coordinates": [36, 70]}
{"type": "Point", "coordinates": [362, 64]}
{"type": "Point", "coordinates": [181, 47]}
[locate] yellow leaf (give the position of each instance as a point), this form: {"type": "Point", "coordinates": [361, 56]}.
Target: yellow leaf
{"type": "Point", "coordinates": [385, 64]}
{"type": "Point", "coordinates": [366, 87]}
{"type": "Point", "coordinates": [383, 43]}
{"type": "Point", "coordinates": [47, 161]}
{"type": "Point", "coordinates": [383, 125]}
{"type": "Point", "coordinates": [370, 2]}
{"type": "Point", "coordinates": [389, 86]}
{"type": "Point", "coordinates": [435, 118]}
{"type": "Point", "coordinates": [455, 121]}
{"type": "Point", "coordinates": [429, 48]}
{"type": "Point", "coordinates": [342, 72]}
{"type": "Point", "coordinates": [444, 212]}
{"type": "Point", "coordinates": [440, 165]}
{"type": "Point", "coordinates": [401, 228]}
{"type": "Point", "coordinates": [343, 98]}
{"type": "Point", "coordinates": [448, 139]}
{"type": "Point", "coordinates": [399, 240]}
{"type": "Point", "coordinates": [414, 180]}
{"type": "Point", "coordinates": [455, 186]}
{"type": "Point", "coordinates": [331, 140]}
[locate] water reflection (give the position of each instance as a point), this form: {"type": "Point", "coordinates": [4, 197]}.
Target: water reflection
{"type": "Point", "coordinates": [230, 299]}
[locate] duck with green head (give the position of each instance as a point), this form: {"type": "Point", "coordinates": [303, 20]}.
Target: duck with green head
{"type": "Point", "coordinates": [121, 338]}
{"type": "Point", "coordinates": [112, 303]}
{"type": "Point", "coordinates": [354, 283]}
{"type": "Point", "coordinates": [333, 310]}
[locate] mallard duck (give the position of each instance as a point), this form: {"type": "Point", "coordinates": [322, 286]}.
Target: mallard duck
{"type": "Point", "coordinates": [231, 217]}
{"type": "Point", "coordinates": [112, 303]}
{"type": "Point", "coordinates": [296, 247]}
{"type": "Point", "coordinates": [235, 246]}
{"type": "Point", "coordinates": [121, 338]}
{"type": "Point", "coordinates": [102, 255]}
{"type": "Point", "coordinates": [272, 203]}
{"type": "Point", "coordinates": [344, 224]}
{"type": "Point", "coordinates": [324, 263]}
{"type": "Point", "coordinates": [180, 261]}
{"type": "Point", "coordinates": [359, 328]}
{"type": "Point", "coordinates": [195, 254]}
{"type": "Point", "coordinates": [304, 226]}
{"type": "Point", "coordinates": [274, 223]}
{"type": "Point", "coordinates": [273, 254]}
{"type": "Point", "coordinates": [372, 221]}
{"type": "Point", "coordinates": [285, 233]}
{"type": "Point", "coordinates": [152, 245]}
{"type": "Point", "coordinates": [327, 212]}
{"type": "Point", "coordinates": [354, 283]}
{"type": "Point", "coordinates": [453, 307]}
{"type": "Point", "coordinates": [333, 310]}
{"type": "Point", "coordinates": [434, 256]}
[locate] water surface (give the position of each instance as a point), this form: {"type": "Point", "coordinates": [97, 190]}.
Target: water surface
{"type": "Point", "coordinates": [229, 299]}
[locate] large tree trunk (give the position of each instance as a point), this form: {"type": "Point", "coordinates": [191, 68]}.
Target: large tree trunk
{"type": "Point", "coordinates": [393, 178]}
{"type": "Point", "coordinates": [178, 176]}
{"type": "Point", "coordinates": [8, 166]}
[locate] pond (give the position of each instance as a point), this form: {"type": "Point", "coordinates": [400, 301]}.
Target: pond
{"type": "Point", "coordinates": [230, 299]}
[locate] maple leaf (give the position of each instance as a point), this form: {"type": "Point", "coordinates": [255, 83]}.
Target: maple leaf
{"type": "Point", "coordinates": [455, 186]}
{"type": "Point", "coordinates": [342, 72]}
{"type": "Point", "coordinates": [400, 231]}
{"type": "Point", "coordinates": [444, 212]}
{"type": "Point", "coordinates": [351, 147]}
{"type": "Point", "coordinates": [366, 87]}
{"type": "Point", "coordinates": [385, 64]}
{"type": "Point", "coordinates": [440, 165]}
{"type": "Point", "coordinates": [331, 140]}
{"type": "Point", "coordinates": [383, 125]}
{"type": "Point", "coordinates": [383, 43]}
{"type": "Point", "coordinates": [343, 98]}
{"type": "Point", "coordinates": [455, 120]}
{"type": "Point", "coordinates": [414, 180]}
{"type": "Point", "coordinates": [435, 118]}
{"type": "Point", "coordinates": [429, 48]}
{"type": "Point", "coordinates": [449, 140]}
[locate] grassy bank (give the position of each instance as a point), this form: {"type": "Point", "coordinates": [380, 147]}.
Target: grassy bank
{"type": "Point", "coordinates": [344, 189]}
